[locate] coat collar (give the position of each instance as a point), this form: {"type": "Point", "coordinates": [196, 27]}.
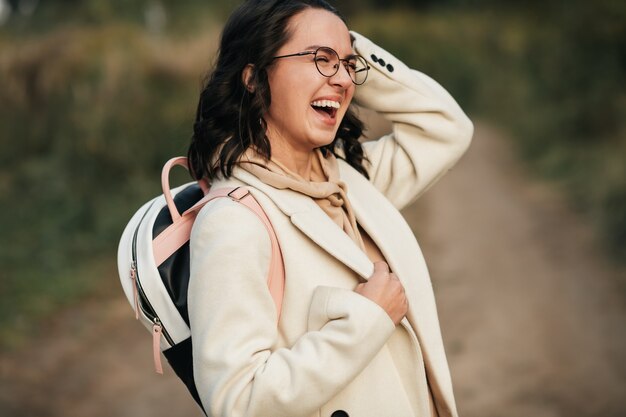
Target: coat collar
{"type": "Point", "coordinates": [311, 220]}
{"type": "Point", "coordinates": [373, 212]}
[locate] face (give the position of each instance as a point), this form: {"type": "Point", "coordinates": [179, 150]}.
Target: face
{"type": "Point", "coordinates": [293, 122]}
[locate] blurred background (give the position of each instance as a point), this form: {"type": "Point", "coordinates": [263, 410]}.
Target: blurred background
{"type": "Point", "coordinates": [526, 237]}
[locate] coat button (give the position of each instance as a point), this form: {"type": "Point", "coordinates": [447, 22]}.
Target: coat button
{"type": "Point", "coordinates": [374, 58]}
{"type": "Point", "coordinates": [381, 62]}
{"type": "Point", "coordinates": [389, 67]}
{"type": "Point", "coordinates": [340, 413]}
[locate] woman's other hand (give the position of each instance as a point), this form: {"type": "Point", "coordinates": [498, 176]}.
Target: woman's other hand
{"type": "Point", "coordinates": [386, 290]}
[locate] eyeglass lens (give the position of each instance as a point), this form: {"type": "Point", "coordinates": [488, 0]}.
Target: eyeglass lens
{"type": "Point", "coordinates": [327, 62]}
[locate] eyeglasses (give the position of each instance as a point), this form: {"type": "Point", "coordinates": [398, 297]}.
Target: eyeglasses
{"type": "Point", "coordinates": [327, 63]}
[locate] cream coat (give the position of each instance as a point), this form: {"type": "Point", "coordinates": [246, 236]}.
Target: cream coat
{"type": "Point", "coordinates": [332, 348]}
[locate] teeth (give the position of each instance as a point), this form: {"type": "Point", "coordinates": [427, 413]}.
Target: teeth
{"type": "Point", "coordinates": [326, 103]}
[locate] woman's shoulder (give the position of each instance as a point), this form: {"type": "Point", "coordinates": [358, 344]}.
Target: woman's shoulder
{"type": "Point", "coordinates": [228, 232]}
{"type": "Point", "coordinates": [226, 218]}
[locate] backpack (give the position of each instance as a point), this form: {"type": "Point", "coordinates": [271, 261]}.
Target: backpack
{"type": "Point", "coordinates": [153, 264]}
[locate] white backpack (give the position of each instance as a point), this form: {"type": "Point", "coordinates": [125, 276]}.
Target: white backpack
{"type": "Point", "coordinates": [153, 263]}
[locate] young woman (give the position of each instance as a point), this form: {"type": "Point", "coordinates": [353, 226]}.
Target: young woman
{"type": "Point", "coordinates": [358, 334]}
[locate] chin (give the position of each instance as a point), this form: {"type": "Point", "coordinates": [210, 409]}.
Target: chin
{"type": "Point", "coordinates": [323, 141]}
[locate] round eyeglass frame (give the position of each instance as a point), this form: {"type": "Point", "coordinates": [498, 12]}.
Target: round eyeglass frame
{"type": "Point", "coordinates": [345, 62]}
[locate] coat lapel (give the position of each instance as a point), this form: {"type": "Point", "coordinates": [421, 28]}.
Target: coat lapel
{"type": "Point", "coordinates": [311, 220]}
{"type": "Point", "coordinates": [323, 231]}
{"type": "Point", "coordinates": [378, 217]}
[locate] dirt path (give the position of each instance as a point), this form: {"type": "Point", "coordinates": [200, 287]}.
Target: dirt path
{"type": "Point", "coordinates": [533, 316]}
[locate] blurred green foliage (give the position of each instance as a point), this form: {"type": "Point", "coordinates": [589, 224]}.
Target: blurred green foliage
{"type": "Point", "coordinates": [95, 96]}
{"type": "Point", "coordinates": [88, 118]}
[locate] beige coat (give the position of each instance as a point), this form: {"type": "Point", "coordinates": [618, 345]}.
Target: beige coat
{"type": "Point", "coordinates": [332, 350]}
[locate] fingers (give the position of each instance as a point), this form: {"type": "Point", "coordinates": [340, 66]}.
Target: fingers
{"type": "Point", "coordinates": [397, 284]}
{"type": "Point", "coordinates": [381, 266]}
{"type": "Point", "coordinates": [386, 290]}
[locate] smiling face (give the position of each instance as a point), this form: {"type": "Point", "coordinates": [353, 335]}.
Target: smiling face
{"type": "Point", "coordinates": [295, 121]}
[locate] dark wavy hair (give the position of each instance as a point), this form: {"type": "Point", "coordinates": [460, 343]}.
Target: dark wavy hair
{"type": "Point", "coordinates": [230, 118]}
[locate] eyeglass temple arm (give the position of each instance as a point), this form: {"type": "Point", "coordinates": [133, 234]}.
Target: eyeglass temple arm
{"type": "Point", "coordinates": [296, 54]}
{"type": "Point", "coordinates": [366, 68]}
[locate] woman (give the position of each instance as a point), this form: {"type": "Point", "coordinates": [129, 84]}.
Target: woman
{"type": "Point", "coordinates": [358, 334]}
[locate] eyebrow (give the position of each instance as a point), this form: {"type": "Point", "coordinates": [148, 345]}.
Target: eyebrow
{"type": "Point", "coordinates": [313, 47]}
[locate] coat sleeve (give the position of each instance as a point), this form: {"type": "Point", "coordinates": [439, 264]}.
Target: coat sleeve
{"type": "Point", "coordinates": [430, 131]}
{"type": "Point", "coordinates": [238, 369]}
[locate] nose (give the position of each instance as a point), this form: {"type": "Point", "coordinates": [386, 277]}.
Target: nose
{"type": "Point", "coordinates": [341, 77]}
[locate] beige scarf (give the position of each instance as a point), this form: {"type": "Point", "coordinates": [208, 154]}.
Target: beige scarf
{"type": "Point", "coordinates": [324, 186]}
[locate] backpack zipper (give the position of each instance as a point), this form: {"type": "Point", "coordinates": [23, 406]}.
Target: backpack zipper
{"type": "Point", "coordinates": [141, 301]}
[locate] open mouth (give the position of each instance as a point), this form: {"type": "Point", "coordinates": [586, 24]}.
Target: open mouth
{"type": "Point", "coordinates": [326, 108]}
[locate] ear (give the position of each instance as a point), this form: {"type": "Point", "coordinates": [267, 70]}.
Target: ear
{"type": "Point", "coordinates": [246, 77]}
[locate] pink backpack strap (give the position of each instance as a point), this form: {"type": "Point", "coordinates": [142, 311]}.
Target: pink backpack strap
{"type": "Point", "coordinates": [178, 233]}
{"type": "Point", "coordinates": [276, 273]}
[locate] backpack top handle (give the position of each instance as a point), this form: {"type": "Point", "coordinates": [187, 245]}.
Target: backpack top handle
{"type": "Point", "coordinates": [165, 184]}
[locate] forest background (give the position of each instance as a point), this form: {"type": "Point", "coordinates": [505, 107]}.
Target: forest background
{"type": "Point", "coordinates": [95, 95]}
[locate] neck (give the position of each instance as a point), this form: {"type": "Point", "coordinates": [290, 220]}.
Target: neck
{"type": "Point", "coordinates": [299, 163]}
{"type": "Point", "coordinates": [297, 160]}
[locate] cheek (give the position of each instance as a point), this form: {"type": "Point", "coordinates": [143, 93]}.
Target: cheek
{"type": "Point", "coordinates": [349, 97]}
{"type": "Point", "coordinates": [287, 105]}
{"type": "Point", "coordinates": [286, 92]}
{"type": "Point", "coordinates": [350, 91]}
